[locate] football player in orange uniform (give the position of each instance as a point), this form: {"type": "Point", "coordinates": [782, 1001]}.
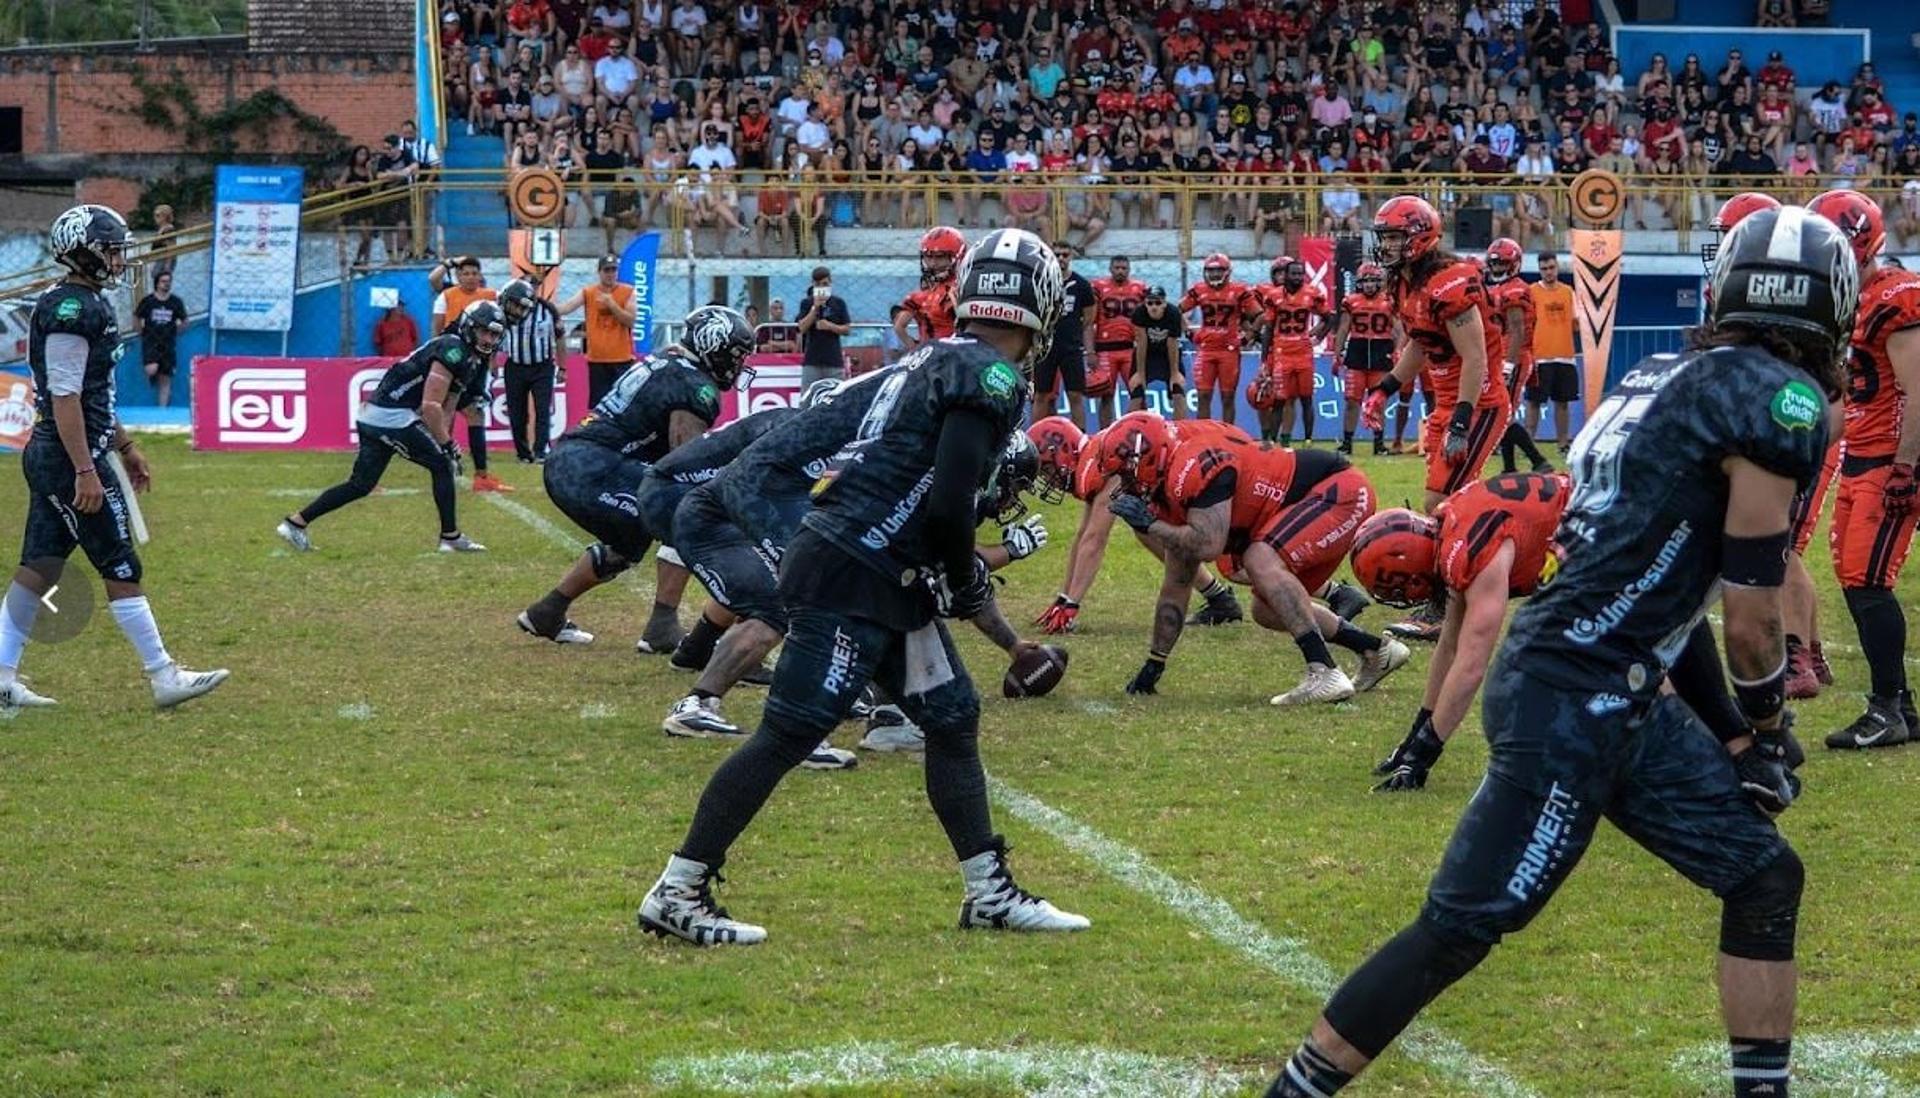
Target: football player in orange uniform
{"type": "Point", "coordinates": [1513, 309]}
{"type": "Point", "coordinates": [1224, 306]}
{"type": "Point", "coordinates": [930, 308]}
{"type": "Point", "coordinates": [1489, 542]}
{"type": "Point", "coordinates": [1071, 461]}
{"type": "Point", "coordinates": [1118, 295]}
{"type": "Point", "coordinates": [1874, 513]}
{"type": "Point", "coordinates": [1294, 318]}
{"type": "Point", "coordinates": [1280, 520]}
{"type": "Point", "coordinates": [1364, 340]}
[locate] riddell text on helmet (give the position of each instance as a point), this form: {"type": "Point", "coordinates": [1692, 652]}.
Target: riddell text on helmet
{"type": "Point", "coordinates": [993, 310]}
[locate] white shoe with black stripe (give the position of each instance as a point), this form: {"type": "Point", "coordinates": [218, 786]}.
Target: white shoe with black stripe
{"type": "Point", "coordinates": [681, 904]}
{"type": "Point", "coordinates": [994, 902]}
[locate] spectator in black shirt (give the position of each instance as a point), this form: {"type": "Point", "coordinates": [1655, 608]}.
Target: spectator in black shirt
{"type": "Point", "coordinates": [157, 320]}
{"type": "Point", "coordinates": [1734, 73]}
{"type": "Point", "coordinates": [1261, 133]}
{"type": "Point", "coordinates": [1749, 159]}
{"type": "Point", "coordinates": [1568, 158]}
{"type": "Point", "coordinates": [823, 320]}
{"type": "Point", "coordinates": [1550, 55]}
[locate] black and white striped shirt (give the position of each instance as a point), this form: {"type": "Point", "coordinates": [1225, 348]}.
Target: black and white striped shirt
{"type": "Point", "coordinates": [531, 342]}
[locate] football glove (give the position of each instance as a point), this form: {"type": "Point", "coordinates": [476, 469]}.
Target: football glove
{"type": "Point", "coordinates": [1132, 510]}
{"type": "Point", "coordinates": [1406, 769]}
{"type": "Point", "coordinates": [1058, 618]}
{"type": "Point", "coordinates": [1900, 490]}
{"type": "Point", "coordinates": [967, 597]}
{"type": "Point", "coordinates": [1148, 677]}
{"type": "Point", "coordinates": [1024, 538]}
{"type": "Point", "coordinates": [452, 450]}
{"type": "Point", "coordinates": [1764, 775]}
{"type": "Point", "coordinates": [1457, 425]}
{"type": "Point", "coordinates": [1373, 411]}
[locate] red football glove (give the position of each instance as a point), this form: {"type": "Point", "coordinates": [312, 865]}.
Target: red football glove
{"type": "Point", "coordinates": [1373, 411]}
{"type": "Point", "coordinates": [1059, 617]}
{"type": "Point", "coordinates": [1900, 488]}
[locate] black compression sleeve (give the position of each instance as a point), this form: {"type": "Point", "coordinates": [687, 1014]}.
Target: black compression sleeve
{"type": "Point", "coordinates": [1701, 682]}
{"type": "Point", "coordinates": [1218, 490]}
{"type": "Point", "coordinates": [967, 444]}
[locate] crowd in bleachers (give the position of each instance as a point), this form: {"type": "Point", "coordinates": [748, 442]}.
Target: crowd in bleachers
{"type": "Point", "coordinates": [768, 122]}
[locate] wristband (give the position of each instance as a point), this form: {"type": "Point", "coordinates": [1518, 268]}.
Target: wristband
{"type": "Point", "coordinates": [1462, 415]}
{"type": "Point", "coordinates": [1156, 657]}
{"type": "Point", "coordinates": [83, 472]}
{"type": "Point", "coordinates": [1762, 700]}
{"type": "Point", "coordinates": [1388, 385]}
{"type": "Point", "coordinates": [1755, 562]}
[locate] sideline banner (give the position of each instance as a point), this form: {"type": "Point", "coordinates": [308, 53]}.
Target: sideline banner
{"type": "Point", "coordinates": [256, 247]}
{"type": "Point", "coordinates": [1596, 299]}
{"type": "Point", "coordinates": [312, 403]}
{"type": "Point", "coordinates": [637, 269]}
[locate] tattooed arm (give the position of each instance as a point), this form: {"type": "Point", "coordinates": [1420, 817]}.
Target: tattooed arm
{"type": "Point", "coordinates": [1187, 547]}
{"type": "Point", "coordinates": [994, 626]}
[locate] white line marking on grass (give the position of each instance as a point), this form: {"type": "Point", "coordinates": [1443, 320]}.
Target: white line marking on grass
{"type": "Point", "coordinates": [355, 711]}
{"type": "Point", "coordinates": [1286, 958]}
{"type": "Point", "coordinates": [597, 711]}
{"type": "Point", "coordinates": [546, 527]}
{"type": "Point", "coordinates": [308, 493]}
{"type": "Point", "coordinates": [1831, 1065]}
{"type": "Point", "coordinates": [1041, 1071]}
{"type": "Point", "coordinates": [1097, 709]}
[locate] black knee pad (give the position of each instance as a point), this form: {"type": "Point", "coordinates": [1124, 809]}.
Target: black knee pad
{"type": "Point", "coordinates": [606, 563]}
{"type": "Point", "coordinates": [957, 739]}
{"type": "Point", "coordinates": [1758, 918]}
{"type": "Point", "coordinates": [1386, 993]}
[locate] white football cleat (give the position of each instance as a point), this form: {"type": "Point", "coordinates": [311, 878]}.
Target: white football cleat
{"type": "Point", "coordinates": [568, 633]}
{"type": "Point", "coordinates": [175, 684]}
{"type": "Point", "coordinates": [1391, 656]}
{"type": "Point", "coordinates": [295, 536]}
{"type": "Point", "coordinates": [1322, 684]}
{"type": "Point", "coordinates": [699, 718]}
{"type": "Point", "coordinates": [461, 544]}
{"type": "Point", "coordinates": [994, 902]}
{"type": "Point", "coordinates": [829, 757]}
{"type": "Point", "coordinates": [681, 904]}
{"type": "Point", "coordinates": [15, 695]}
{"type": "Point", "coordinates": [889, 730]}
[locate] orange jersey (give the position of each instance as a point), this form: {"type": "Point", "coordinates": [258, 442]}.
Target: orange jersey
{"type": "Point", "coordinates": [1426, 309]}
{"type": "Point", "coordinates": [1368, 317]}
{"type": "Point", "coordinates": [1113, 327]}
{"type": "Point", "coordinates": [1889, 303]}
{"type": "Point", "coordinates": [1221, 308]}
{"type": "Point", "coordinates": [1507, 296]}
{"type": "Point", "coordinates": [1261, 480]}
{"type": "Point", "coordinates": [932, 309]}
{"type": "Point", "coordinates": [1522, 508]}
{"type": "Point", "coordinates": [1291, 313]}
{"type": "Point", "coordinates": [1088, 480]}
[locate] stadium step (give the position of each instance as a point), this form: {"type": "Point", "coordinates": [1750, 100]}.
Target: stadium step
{"type": "Point", "coordinates": [1894, 55]}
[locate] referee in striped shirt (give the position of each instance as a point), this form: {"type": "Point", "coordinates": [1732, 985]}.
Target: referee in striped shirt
{"type": "Point", "coordinates": [530, 345]}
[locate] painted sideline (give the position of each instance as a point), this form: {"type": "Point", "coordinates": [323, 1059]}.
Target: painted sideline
{"type": "Point", "coordinates": [1286, 958]}
{"type": "Point", "coordinates": [1040, 1071]}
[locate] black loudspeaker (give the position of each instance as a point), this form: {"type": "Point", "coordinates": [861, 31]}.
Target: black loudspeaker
{"type": "Point", "coordinates": [1472, 229]}
{"type": "Point", "coordinates": [10, 131]}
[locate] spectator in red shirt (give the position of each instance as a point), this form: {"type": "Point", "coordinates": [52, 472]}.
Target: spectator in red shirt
{"type": "Point", "coordinates": [596, 42]}
{"type": "Point", "coordinates": [1876, 112]}
{"type": "Point", "coordinates": [396, 335]}
{"type": "Point", "coordinates": [1180, 45]}
{"type": "Point", "coordinates": [1776, 74]}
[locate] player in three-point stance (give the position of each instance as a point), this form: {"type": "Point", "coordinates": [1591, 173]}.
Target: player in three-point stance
{"type": "Point", "coordinates": [73, 346]}
{"type": "Point", "coordinates": [1683, 479]}
{"type": "Point", "coordinates": [881, 561]}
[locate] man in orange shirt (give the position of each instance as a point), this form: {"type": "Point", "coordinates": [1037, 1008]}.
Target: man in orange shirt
{"type": "Point", "coordinates": [448, 303]}
{"type": "Point", "coordinates": [1295, 312]}
{"type": "Point", "coordinates": [608, 305]}
{"type": "Point", "coordinates": [1223, 304]}
{"type": "Point", "coordinates": [1555, 376]}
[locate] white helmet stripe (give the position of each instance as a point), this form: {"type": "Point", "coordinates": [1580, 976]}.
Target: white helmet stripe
{"type": "Point", "coordinates": [1784, 245]}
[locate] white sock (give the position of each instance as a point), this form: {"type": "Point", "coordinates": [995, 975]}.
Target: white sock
{"type": "Point", "coordinates": [135, 617]}
{"type": "Point", "coordinates": [17, 613]}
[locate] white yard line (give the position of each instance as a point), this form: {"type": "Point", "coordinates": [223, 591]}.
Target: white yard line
{"type": "Point", "coordinates": [355, 711]}
{"type": "Point", "coordinates": [598, 711]}
{"type": "Point", "coordinates": [1832, 1065]}
{"type": "Point", "coordinates": [552, 531]}
{"type": "Point", "coordinates": [1286, 958]}
{"type": "Point", "coordinates": [1041, 1071]}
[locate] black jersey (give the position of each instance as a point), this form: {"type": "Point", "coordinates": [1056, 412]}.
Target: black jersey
{"type": "Point", "coordinates": [405, 381]}
{"type": "Point", "coordinates": [701, 460]}
{"type": "Point", "coordinates": [784, 463]}
{"type": "Point", "coordinates": [870, 500]}
{"type": "Point", "coordinates": [1641, 535]}
{"type": "Point", "coordinates": [70, 309]}
{"type": "Point", "coordinates": [632, 418]}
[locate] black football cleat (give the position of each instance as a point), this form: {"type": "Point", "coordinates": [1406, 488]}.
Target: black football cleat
{"type": "Point", "coordinates": [1224, 610]}
{"type": "Point", "coordinates": [1347, 600]}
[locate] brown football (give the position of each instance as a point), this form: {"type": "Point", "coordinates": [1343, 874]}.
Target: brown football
{"type": "Point", "coordinates": [1035, 672]}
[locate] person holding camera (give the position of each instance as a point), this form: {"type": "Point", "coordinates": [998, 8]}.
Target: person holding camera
{"type": "Point", "coordinates": [823, 320]}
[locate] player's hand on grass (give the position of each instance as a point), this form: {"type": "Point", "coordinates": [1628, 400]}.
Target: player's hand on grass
{"type": "Point", "coordinates": [1147, 679]}
{"type": "Point", "coordinates": [1059, 617]}
{"type": "Point", "coordinates": [1407, 768]}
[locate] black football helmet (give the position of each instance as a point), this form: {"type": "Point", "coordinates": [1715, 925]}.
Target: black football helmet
{"type": "Point", "coordinates": [1011, 277]}
{"type": "Point", "coordinates": [719, 339]}
{"type": "Point", "coordinates": [91, 241]}
{"type": "Point", "coordinates": [482, 326]}
{"type": "Point", "coordinates": [516, 300]}
{"type": "Point", "coordinates": [1787, 268]}
{"type": "Point", "coordinates": [1015, 473]}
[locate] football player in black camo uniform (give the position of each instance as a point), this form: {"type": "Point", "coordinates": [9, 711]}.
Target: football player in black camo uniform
{"type": "Point", "coordinates": [410, 415]}
{"type": "Point", "coordinates": [658, 405]}
{"type": "Point", "coordinates": [885, 554]}
{"type": "Point", "coordinates": [72, 347]}
{"type": "Point", "coordinates": [1683, 483]}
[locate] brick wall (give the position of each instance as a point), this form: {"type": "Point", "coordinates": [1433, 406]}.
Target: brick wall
{"type": "Point", "coordinates": [84, 105]}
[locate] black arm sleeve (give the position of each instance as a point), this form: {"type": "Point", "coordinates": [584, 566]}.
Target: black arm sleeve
{"type": "Point", "coordinates": [1701, 682]}
{"type": "Point", "coordinates": [968, 442]}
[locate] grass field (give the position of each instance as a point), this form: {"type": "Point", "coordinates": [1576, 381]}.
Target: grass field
{"type": "Point", "coordinates": [400, 851]}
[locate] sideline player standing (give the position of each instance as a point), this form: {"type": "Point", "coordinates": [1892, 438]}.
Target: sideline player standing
{"type": "Point", "coordinates": [73, 346]}
{"type": "Point", "coordinates": [1224, 304]}
{"type": "Point", "coordinates": [930, 308]}
{"type": "Point", "coordinates": [1119, 295]}
{"type": "Point", "coordinates": [409, 415]}
{"type": "Point", "coordinates": [1874, 514]}
{"type": "Point", "coordinates": [1513, 310]}
{"type": "Point", "coordinates": [661, 403]}
{"type": "Point", "coordinates": [1683, 481]}
{"type": "Point", "coordinates": [1364, 341]}
{"type": "Point", "coordinates": [883, 558]}
{"type": "Point", "coordinates": [1295, 319]}
{"type": "Point", "coordinates": [1065, 368]}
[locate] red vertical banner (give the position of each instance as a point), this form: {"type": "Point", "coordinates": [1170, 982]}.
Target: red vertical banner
{"type": "Point", "coordinates": [1317, 253]}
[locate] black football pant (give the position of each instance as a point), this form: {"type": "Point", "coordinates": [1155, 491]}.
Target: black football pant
{"type": "Point", "coordinates": [535, 383]}
{"type": "Point", "coordinates": [378, 447]}
{"type": "Point", "coordinates": [829, 657]}
{"type": "Point", "coordinates": [53, 529]}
